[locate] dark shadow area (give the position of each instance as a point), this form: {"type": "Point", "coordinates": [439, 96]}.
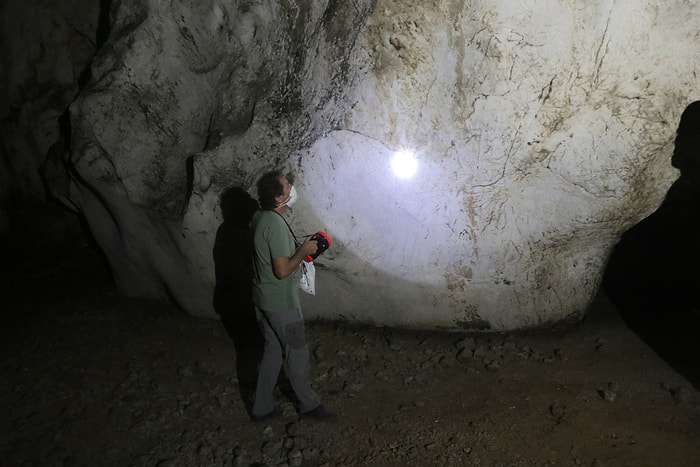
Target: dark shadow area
{"type": "Point", "coordinates": [101, 35]}
{"type": "Point", "coordinates": [47, 259]}
{"type": "Point", "coordinates": [653, 274]}
{"type": "Point", "coordinates": [233, 252]}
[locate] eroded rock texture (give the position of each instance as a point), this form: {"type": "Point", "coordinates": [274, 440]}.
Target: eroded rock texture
{"type": "Point", "coordinates": [45, 49]}
{"type": "Point", "coordinates": [542, 132]}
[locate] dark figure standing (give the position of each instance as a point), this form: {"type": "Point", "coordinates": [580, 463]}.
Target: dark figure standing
{"type": "Point", "coordinates": [276, 297]}
{"type": "Point", "coordinates": [653, 275]}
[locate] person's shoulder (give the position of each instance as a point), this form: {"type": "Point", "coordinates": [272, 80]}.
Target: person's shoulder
{"type": "Point", "coordinates": [267, 217]}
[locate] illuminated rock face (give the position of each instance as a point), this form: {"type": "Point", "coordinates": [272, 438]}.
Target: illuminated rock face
{"type": "Point", "coordinates": [540, 134]}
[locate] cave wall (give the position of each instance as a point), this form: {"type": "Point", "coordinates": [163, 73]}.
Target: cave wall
{"type": "Point", "coordinates": [45, 49]}
{"type": "Point", "coordinates": [542, 132]}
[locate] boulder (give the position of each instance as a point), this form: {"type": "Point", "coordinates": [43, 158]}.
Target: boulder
{"type": "Point", "coordinates": [540, 134]}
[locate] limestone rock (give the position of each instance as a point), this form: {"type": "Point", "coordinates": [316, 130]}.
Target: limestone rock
{"type": "Point", "coordinates": [45, 48]}
{"type": "Point", "coordinates": [541, 133]}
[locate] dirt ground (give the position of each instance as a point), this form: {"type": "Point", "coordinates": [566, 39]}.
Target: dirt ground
{"type": "Point", "coordinates": [90, 378]}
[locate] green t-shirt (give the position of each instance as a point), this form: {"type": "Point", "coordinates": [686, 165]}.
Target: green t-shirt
{"type": "Point", "coordinates": [273, 239]}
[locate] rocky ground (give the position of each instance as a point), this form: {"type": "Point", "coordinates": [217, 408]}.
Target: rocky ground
{"type": "Point", "coordinates": [90, 378]}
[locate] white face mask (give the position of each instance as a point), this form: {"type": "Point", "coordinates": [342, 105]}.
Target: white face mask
{"type": "Point", "coordinates": [292, 198]}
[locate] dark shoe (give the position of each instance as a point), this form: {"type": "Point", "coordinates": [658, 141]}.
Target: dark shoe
{"type": "Point", "coordinates": [320, 413]}
{"type": "Point", "coordinates": [276, 412]}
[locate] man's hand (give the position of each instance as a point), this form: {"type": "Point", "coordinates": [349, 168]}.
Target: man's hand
{"type": "Point", "coordinates": [309, 246]}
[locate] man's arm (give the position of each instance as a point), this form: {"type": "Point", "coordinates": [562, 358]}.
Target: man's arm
{"type": "Point", "coordinates": [283, 267]}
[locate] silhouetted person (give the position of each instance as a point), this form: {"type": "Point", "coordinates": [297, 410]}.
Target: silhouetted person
{"type": "Point", "coordinates": [653, 275]}
{"type": "Point", "coordinates": [233, 263]}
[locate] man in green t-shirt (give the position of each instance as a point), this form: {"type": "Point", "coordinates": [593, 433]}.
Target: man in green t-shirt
{"type": "Point", "coordinates": [276, 296]}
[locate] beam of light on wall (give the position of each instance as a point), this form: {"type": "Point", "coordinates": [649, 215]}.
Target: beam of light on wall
{"type": "Point", "coordinates": [397, 228]}
{"type": "Point", "coordinates": [404, 164]}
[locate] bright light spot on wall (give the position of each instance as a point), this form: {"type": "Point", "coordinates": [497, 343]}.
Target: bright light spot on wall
{"type": "Point", "coordinates": [404, 164]}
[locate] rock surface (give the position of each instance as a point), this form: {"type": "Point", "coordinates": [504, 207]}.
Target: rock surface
{"type": "Point", "coordinates": [541, 132]}
{"type": "Point", "coordinates": [45, 48]}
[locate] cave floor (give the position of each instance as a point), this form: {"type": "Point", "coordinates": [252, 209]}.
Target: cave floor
{"type": "Point", "coordinates": [91, 378]}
